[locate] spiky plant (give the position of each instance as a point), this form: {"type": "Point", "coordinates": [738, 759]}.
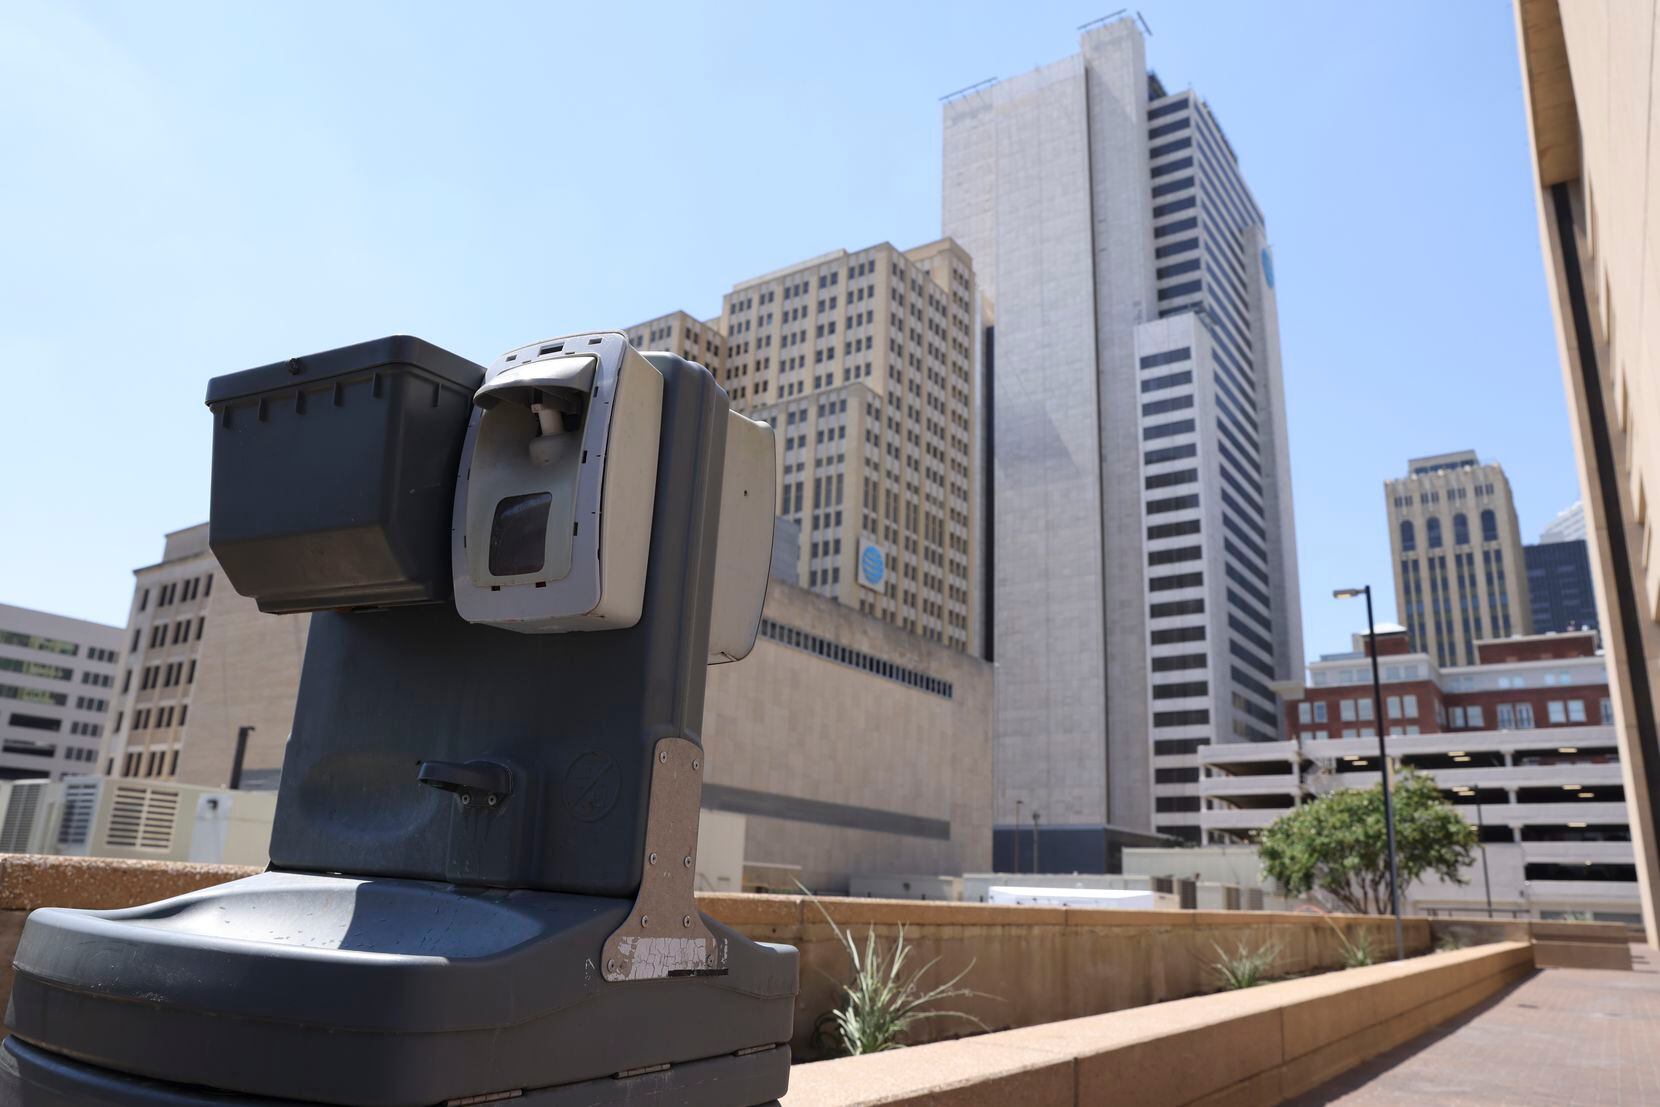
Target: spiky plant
{"type": "Point", "coordinates": [1244, 967]}
{"type": "Point", "coordinates": [1358, 952]}
{"type": "Point", "coordinates": [886, 998]}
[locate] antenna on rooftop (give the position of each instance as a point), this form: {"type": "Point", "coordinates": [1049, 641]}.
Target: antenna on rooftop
{"type": "Point", "coordinates": [1103, 19]}
{"type": "Point", "coordinates": [1143, 21]}
{"type": "Point", "coordinates": [964, 91]}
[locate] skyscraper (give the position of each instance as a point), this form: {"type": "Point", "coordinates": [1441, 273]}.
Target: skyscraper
{"type": "Point", "coordinates": [1559, 586]}
{"type": "Point", "coordinates": [1568, 525]}
{"type": "Point", "coordinates": [1454, 505]}
{"type": "Point", "coordinates": [1145, 588]}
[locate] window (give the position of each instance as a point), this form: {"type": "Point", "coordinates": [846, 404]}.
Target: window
{"type": "Point", "coordinates": [1460, 530]}
{"type": "Point", "coordinates": [1305, 712]}
{"type": "Point", "coordinates": [1458, 716]}
{"type": "Point", "coordinates": [1394, 707]}
{"type": "Point", "coordinates": [1409, 536]}
{"type": "Point", "coordinates": [1365, 707]}
{"type": "Point", "coordinates": [1410, 705]}
{"type": "Point", "coordinates": [1319, 711]}
{"type": "Point", "coordinates": [1475, 715]}
{"type": "Point", "coordinates": [1432, 532]}
{"type": "Point", "coordinates": [1557, 712]}
{"type": "Point", "coordinates": [1607, 712]}
{"type": "Point", "coordinates": [1576, 711]}
{"type": "Point", "coordinates": [1507, 717]}
{"type": "Point", "coordinates": [1524, 716]}
{"type": "Point", "coordinates": [1346, 710]}
{"type": "Point", "coordinates": [1489, 525]}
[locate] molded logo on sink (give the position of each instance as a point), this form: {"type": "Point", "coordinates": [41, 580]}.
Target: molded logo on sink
{"type": "Point", "coordinates": [591, 787]}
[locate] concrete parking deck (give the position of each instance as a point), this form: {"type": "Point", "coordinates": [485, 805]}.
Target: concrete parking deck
{"type": "Point", "coordinates": [1560, 1037]}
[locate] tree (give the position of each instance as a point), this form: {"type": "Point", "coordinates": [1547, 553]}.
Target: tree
{"type": "Point", "coordinates": [1337, 844]}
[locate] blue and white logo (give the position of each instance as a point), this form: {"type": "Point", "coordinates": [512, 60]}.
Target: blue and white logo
{"type": "Point", "coordinates": [873, 565]}
{"type": "Point", "coordinates": [1268, 267]}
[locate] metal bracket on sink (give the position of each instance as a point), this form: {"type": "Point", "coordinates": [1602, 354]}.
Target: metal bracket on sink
{"type": "Point", "coordinates": [664, 935]}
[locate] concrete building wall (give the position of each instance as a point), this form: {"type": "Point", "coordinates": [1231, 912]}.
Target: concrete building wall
{"type": "Point", "coordinates": [1593, 109]}
{"type": "Point", "coordinates": [201, 662]}
{"type": "Point", "coordinates": [840, 770]}
{"type": "Point", "coordinates": [57, 678]}
{"type": "Point", "coordinates": [248, 673]}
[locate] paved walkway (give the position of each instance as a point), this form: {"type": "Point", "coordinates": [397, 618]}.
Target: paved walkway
{"type": "Point", "coordinates": [1562, 1037]}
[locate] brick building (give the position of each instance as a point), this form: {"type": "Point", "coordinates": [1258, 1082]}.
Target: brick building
{"type": "Point", "coordinates": [1522, 742]}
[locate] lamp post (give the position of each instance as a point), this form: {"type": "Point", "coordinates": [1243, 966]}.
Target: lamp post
{"type": "Point", "coordinates": [1481, 840]}
{"type": "Point", "coordinates": [1036, 866]}
{"type": "Point", "coordinates": [1383, 764]}
{"type": "Point", "coordinates": [1017, 805]}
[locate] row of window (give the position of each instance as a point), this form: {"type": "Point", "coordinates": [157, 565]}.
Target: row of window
{"type": "Point", "coordinates": [1461, 530]}
{"type": "Point", "coordinates": [44, 669]}
{"type": "Point", "coordinates": [858, 659]}
{"type": "Point", "coordinates": [156, 763]}
{"type": "Point", "coordinates": [178, 591]}
{"type": "Point", "coordinates": [32, 695]}
{"type": "Point", "coordinates": [38, 642]}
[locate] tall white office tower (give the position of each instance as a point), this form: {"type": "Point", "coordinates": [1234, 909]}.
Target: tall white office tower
{"type": "Point", "coordinates": [1145, 584]}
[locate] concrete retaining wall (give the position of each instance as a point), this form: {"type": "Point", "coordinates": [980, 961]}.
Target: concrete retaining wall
{"type": "Point", "coordinates": [1042, 964]}
{"type": "Point", "coordinates": [1254, 1047]}
{"type": "Point", "coordinates": [1036, 964]}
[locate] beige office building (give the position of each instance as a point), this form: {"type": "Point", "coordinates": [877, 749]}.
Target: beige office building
{"type": "Point", "coordinates": [1593, 110]}
{"type": "Point", "coordinates": [840, 746]}
{"type": "Point", "coordinates": [1460, 577]}
{"type": "Point", "coordinates": [201, 663]}
{"type": "Point", "coordinates": [679, 333]}
{"type": "Point", "coordinates": [867, 365]}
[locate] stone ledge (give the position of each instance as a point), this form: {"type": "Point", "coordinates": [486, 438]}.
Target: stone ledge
{"type": "Point", "coordinates": [1559, 954]}
{"type": "Point", "coordinates": [1258, 1046]}
{"type": "Point", "coordinates": [30, 880]}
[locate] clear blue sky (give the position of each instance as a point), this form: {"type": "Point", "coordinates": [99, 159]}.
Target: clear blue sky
{"type": "Point", "coordinates": [191, 189]}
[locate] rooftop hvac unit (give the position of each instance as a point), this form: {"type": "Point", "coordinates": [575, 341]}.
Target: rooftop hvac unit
{"type": "Point", "coordinates": [112, 817]}
{"type": "Point", "coordinates": [27, 808]}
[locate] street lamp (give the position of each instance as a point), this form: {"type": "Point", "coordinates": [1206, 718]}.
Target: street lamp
{"type": "Point", "coordinates": [1017, 805]}
{"type": "Point", "coordinates": [1037, 866]}
{"type": "Point", "coordinates": [1481, 840]}
{"type": "Point", "coordinates": [1383, 763]}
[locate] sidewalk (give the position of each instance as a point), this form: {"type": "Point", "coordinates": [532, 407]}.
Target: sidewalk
{"type": "Point", "coordinates": [1562, 1037]}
